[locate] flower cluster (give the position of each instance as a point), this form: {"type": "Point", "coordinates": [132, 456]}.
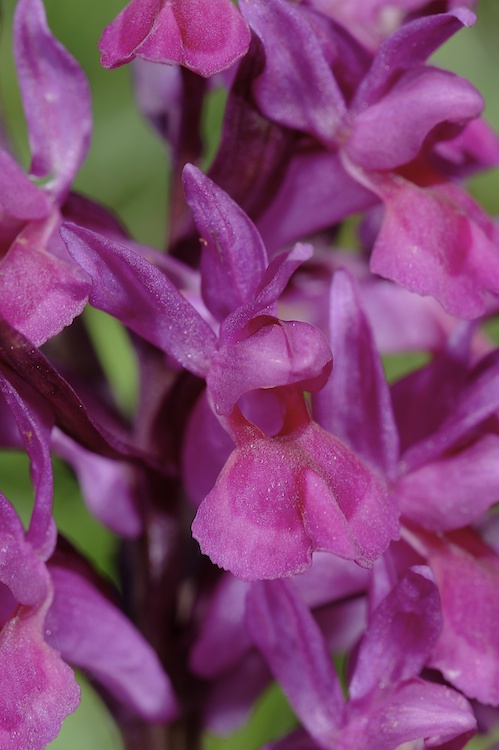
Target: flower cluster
{"type": "Point", "coordinates": [279, 502]}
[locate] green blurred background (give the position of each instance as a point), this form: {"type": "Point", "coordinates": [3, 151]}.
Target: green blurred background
{"type": "Point", "coordinates": [127, 170]}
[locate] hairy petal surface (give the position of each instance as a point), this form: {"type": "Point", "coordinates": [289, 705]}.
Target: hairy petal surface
{"type": "Point", "coordinates": [278, 499]}
{"type": "Point", "coordinates": [40, 293]}
{"type": "Point", "coordinates": [38, 689]}
{"type": "Point", "coordinates": [457, 262]}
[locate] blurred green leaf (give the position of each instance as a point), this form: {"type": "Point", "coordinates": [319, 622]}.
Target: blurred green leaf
{"type": "Point", "coordinates": [271, 718]}
{"type": "Point", "coordinates": [91, 726]}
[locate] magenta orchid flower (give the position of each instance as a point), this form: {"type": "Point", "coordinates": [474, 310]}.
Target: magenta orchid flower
{"type": "Point", "coordinates": [308, 475]}
{"type": "Point", "coordinates": [389, 703]}
{"type": "Point", "coordinates": [42, 290]}
{"type": "Point", "coordinates": [459, 262]}
{"type": "Point", "coordinates": [422, 453]}
{"type": "Point", "coordinates": [53, 611]}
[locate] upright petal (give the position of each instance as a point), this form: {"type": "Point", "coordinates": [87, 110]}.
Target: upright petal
{"type": "Point", "coordinates": [297, 88]}
{"type": "Point", "coordinates": [355, 404]}
{"type": "Point", "coordinates": [284, 630]}
{"type": "Point", "coordinates": [56, 100]}
{"type": "Point", "coordinates": [233, 258]}
{"type": "Point", "coordinates": [401, 634]}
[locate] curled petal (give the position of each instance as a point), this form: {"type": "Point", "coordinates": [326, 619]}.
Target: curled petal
{"type": "Point", "coordinates": [419, 102]}
{"type": "Point", "coordinates": [408, 47]}
{"type": "Point", "coordinates": [34, 421]}
{"type": "Point", "coordinates": [206, 36]}
{"type": "Point", "coordinates": [276, 353]}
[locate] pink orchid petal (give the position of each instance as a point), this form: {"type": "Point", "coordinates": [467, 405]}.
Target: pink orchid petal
{"type": "Point", "coordinates": [330, 578]}
{"type": "Point", "coordinates": [107, 486]}
{"type": "Point", "coordinates": [302, 205]}
{"type": "Point", "coordinates": [272, 285]}
{"type": "Point", "coordinates": [371, 513]}
{"type": "Point", "coordinates": [223, 639]}
{"type": "Point", "coordinates": [278, 499]}
{"type": "Point", "coordinates": [133, 290]}
{"type": "Point", "coordinates": [206, 448]}
{"type": "Point", "coordinates": [250, 523]}
{"type": "Point", "coordinates": [408, 47]}
{"type": "Point", "coordinates": [21, 570]}
{"type": "Point", "coordinates": [204, 36]}
{"type": "Point", "coordinates": [457, 262]}
{"type": "Point", "coordinates": [401, 633]}
{"type": "Point", "coordinates": [454, 491]}
{"type": "Point", "coordinates": [466, 406]}
{"type": "Point", "coordinates": [474, 149]}
{"type": "Point", "coordinates": [38, 689]}
{"type": "Point", "coordinates": [418, 102]}
{"type": "Point", "coordinates": [467, 575]}
{"type": "Point", "coordinates": [416, 710]}
{"type": "Point", "coordinates": [93, 634]}
{"type": "Point", "coordinates": [56, 99]}
{"type": "Point", "coordinates": [40, 294]}
{"type": "Point", "coordinates": [297, 88]}
{"type": "Point", "coordinates": [355, 404]}
{"type": "Point", "coordinates": [275, 353]}
{"type": "Point", "coordinates": [19, 198]}
{"type": "Point", "coordinates": [233, 258]}
{"type": "Point", "coordinates": [284, 630]}
{"type": "Point", "coordinates": [232, 696]}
